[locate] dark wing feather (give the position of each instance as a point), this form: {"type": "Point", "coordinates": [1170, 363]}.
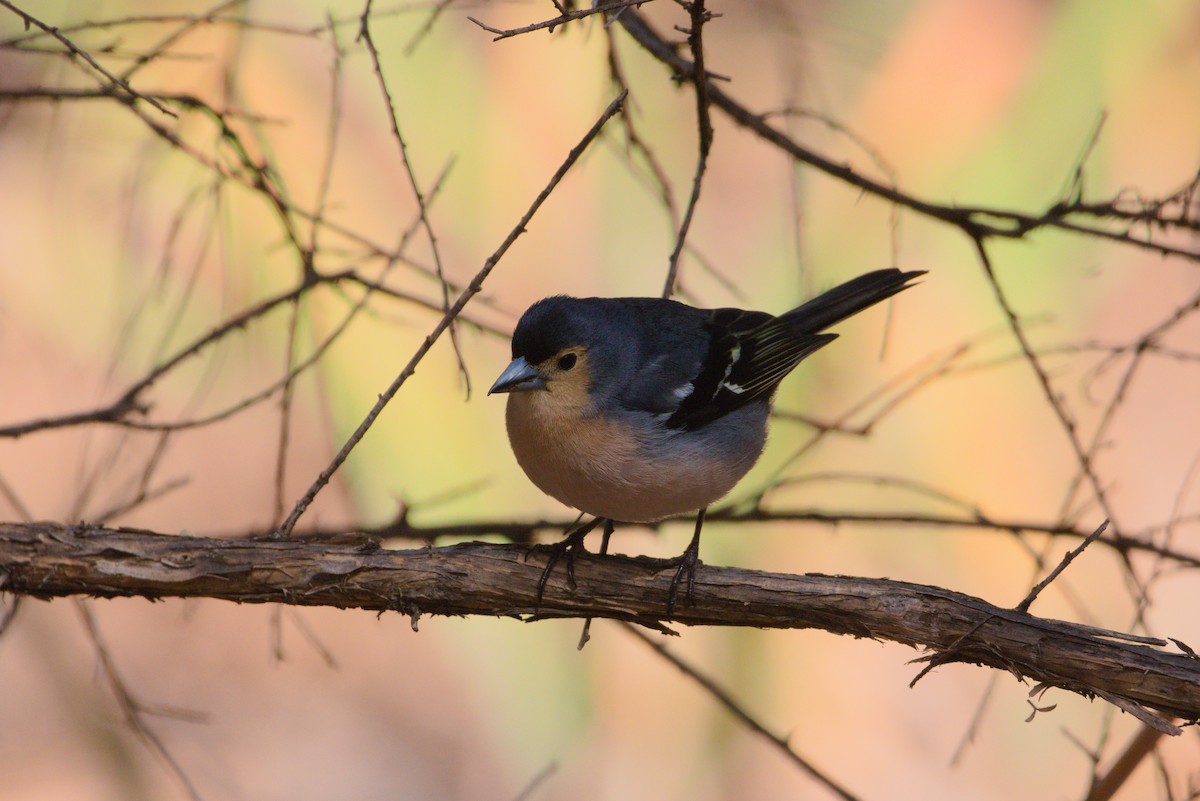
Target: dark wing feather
{"type": "Point", "coordinates": [749, 354]}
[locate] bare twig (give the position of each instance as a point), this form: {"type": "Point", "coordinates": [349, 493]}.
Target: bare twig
{"type": "Point", "coordinates": [114, 81]}
{"type": "Point", "coordinates": [978, 222]}
{"type": "Point", "coordinates": [364, 34]}
{"type": "Point", "coordinates": [185, 26]}
{"type": "Point", "coordinates": [537, 781]}
{"type": "Point", "coordinates": [567, 16]}
{"type": "Point", "coordinates": [133, 710]}
{"type": "Point", "coordinates": [1053, 399]}
{"type": "Point", "coordinates": [726, 700]}
{"type": "Point", "coordinates": [1066, 560]}
{"type": "Point", "coordinates": [525, 532]}
{"type": "Point", "coordinates": [704, 135]}
{"type": "Point", "coordinates": [472, 289]}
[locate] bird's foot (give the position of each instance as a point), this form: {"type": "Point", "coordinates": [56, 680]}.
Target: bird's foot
{"type": "Point", "coordinates": [586, 633]}
{"type": "Point", "coordinates": [685, 568]}
{"type": "Point", "coordinates": [569, 547]}
{"type": "Point", "coordinates": [686, 562]}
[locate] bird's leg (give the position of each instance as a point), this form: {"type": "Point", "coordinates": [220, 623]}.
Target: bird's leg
{"type": "Point", "coordinates": [586, 635]}
{"type": "Point", "coordinates": [687, 565]}
{"type": "Point", "coordinates": [609, 526]}
{"type": "Point", "coordinates": [567, 546]}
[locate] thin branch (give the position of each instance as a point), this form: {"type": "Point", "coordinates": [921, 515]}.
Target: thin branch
{"type": "Point", "coordinates": [1055, 401]}
{"type": "Point", "coordinates": [561, 19]}
{"type": "Point", "coordinates": [133, 710]}
{"type": "Point", "coordinates": [1141, 746]}
{"type": "Point", "coordinates": [704, 135]}
{"type": "Point", "coordinates": [76, 52]}
{"type": "Point", "coordinates": [364, 34]}
{"type": "Point", "coordinates": [975, 221]}
{"type": "Point", "coordinates": [525, 532]}
{"type": "Point", "coordinates": [725, 699]}
{"type": "Point", "coordinates": [126, 410]}
{"type": "Point", "coordinates": [472, 289]}
{"type": "Point", "coordinates": [1066, 560]}
{"type": "Point", "coordinates": [1139, 350]}
{"type": "Point", "coordinates": [234, 20]}
{"type": "Point", "coordinates": [186, 26]}
{"type": "Point", "coordinates": [537, 781]}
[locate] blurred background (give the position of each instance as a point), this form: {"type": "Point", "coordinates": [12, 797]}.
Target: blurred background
{"type": "Point", "coordinates": [126, 235]}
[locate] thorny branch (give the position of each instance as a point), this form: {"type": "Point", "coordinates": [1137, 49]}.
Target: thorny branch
{"type": "Point", "coordinates": [119, 86]}
{"type": "Point", "coordinates": [1137, 673]}
{"type": "Point", "coordinates": [698, 15]}
{"type": "Point", "coordinates": [1177, 212]}
{"type": "Point", "coordinates": [472, 289]}
{"type": "Point", "coordinates": [364, 33]}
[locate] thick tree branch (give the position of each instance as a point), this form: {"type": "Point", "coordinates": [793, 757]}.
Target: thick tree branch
{"type": "Point", "coordinates": [47, 560]}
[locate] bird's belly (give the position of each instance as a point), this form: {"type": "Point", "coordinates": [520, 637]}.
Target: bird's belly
{"type": "Point", "coordinates": [598, 468]}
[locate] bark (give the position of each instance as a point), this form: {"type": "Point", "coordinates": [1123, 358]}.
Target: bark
{"type": "Point", "coordinates": [1137, 674]}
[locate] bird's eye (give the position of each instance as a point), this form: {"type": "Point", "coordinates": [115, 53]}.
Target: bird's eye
{"type": "Point", "coordinates": [566, 361]}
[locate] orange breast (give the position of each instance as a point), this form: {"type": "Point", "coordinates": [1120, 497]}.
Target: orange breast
{"type": "Point", "coordinates": [597, 466]}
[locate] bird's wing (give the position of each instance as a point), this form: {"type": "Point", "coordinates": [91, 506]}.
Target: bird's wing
{"type": "Point", "coordinates": [671, 345]}
{"type": "Point", "coordinates": [749, 353]}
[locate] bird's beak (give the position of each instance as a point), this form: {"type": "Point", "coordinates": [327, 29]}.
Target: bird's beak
{"type": "Point", "coordinates": [518, 377]}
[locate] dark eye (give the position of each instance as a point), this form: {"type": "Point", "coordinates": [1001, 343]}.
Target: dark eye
{"type": "Point", "coordinates": [566, 361]}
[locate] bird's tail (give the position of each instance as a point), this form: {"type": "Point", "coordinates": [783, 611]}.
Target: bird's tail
{"type": "Point", "coordinates": [848, 299]}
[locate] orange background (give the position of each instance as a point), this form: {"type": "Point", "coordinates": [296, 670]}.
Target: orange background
{"type": "Point", "coordinates": [116, 251]}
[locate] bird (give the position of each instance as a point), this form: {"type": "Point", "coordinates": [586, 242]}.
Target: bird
{"type": "Point", "coordinates": [637, 409]}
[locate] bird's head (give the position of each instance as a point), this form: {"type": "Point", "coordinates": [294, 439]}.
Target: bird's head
{"type": "Point", "coordinates": [559, 346]}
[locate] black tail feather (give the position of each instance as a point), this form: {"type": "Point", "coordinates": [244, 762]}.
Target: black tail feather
{"type": "Point", "coordinates": [849, 299]}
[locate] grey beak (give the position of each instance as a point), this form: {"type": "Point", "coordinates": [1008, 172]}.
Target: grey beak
{"type": "Point", "coordinates": [518, 377]}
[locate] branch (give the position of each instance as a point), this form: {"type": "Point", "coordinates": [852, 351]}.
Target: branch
{"type": "Point", "coordinates": [528, 531]}
{"type": "Point", "coordinates": [978, 222]}
{"type": "Point", "coordinates": [561, 19]}
{"type": "Point", "coordinates": [452, 312]}
{"type": "Point", "coordinates": [47, 560]}
{"type": "Point", "coordinates": [75, 52]}
{"type": "Point", "coordinates": [704, 138]}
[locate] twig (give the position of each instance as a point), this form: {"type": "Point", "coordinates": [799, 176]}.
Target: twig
{"type": "Point", "coordinates": [186, 25]}
{"type": "Point", "coordinates": [113, 80]}
{"type": "Point", "coordinates": [472, 289]}
{"type": "Point", "coordinates": [364, 33]}
{"type": "Point", "coordinates": [527, 531]}
{"type": "Point", "coordinates": [1055, 401]}
{"type": "Point", "coordinates": [699, 16]}
{"type": "Point", "coordinates": [131, 707]}
{"type": "Point", "coordinates": [537, 781]}
{"type": "Point", "coordinates": [561, 19]}
{"type": "Point", "coordinates": [1142, 745]}
{"type": "Point", "coordinates": [1066, 560]}
{"type": "Point", "coordinates": [738, 711]}
{"type": "Point", "coordinates": [435, 13]}
{"type": "Point", "coordinates": [975, 221]}
{"type": "Point", "coordinates": [1138, 350]}
{"type": "Point", "coordinates": [124, 410]}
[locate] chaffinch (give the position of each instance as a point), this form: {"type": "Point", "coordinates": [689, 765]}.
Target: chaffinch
{"type": "Point", "coordinates": [637, 409]}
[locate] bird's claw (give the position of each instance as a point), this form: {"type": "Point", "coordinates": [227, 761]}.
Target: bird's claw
{"type": "Point", "coordinates": [569, 547]}
{"type": "Point", "coordinates": [687, 563]}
